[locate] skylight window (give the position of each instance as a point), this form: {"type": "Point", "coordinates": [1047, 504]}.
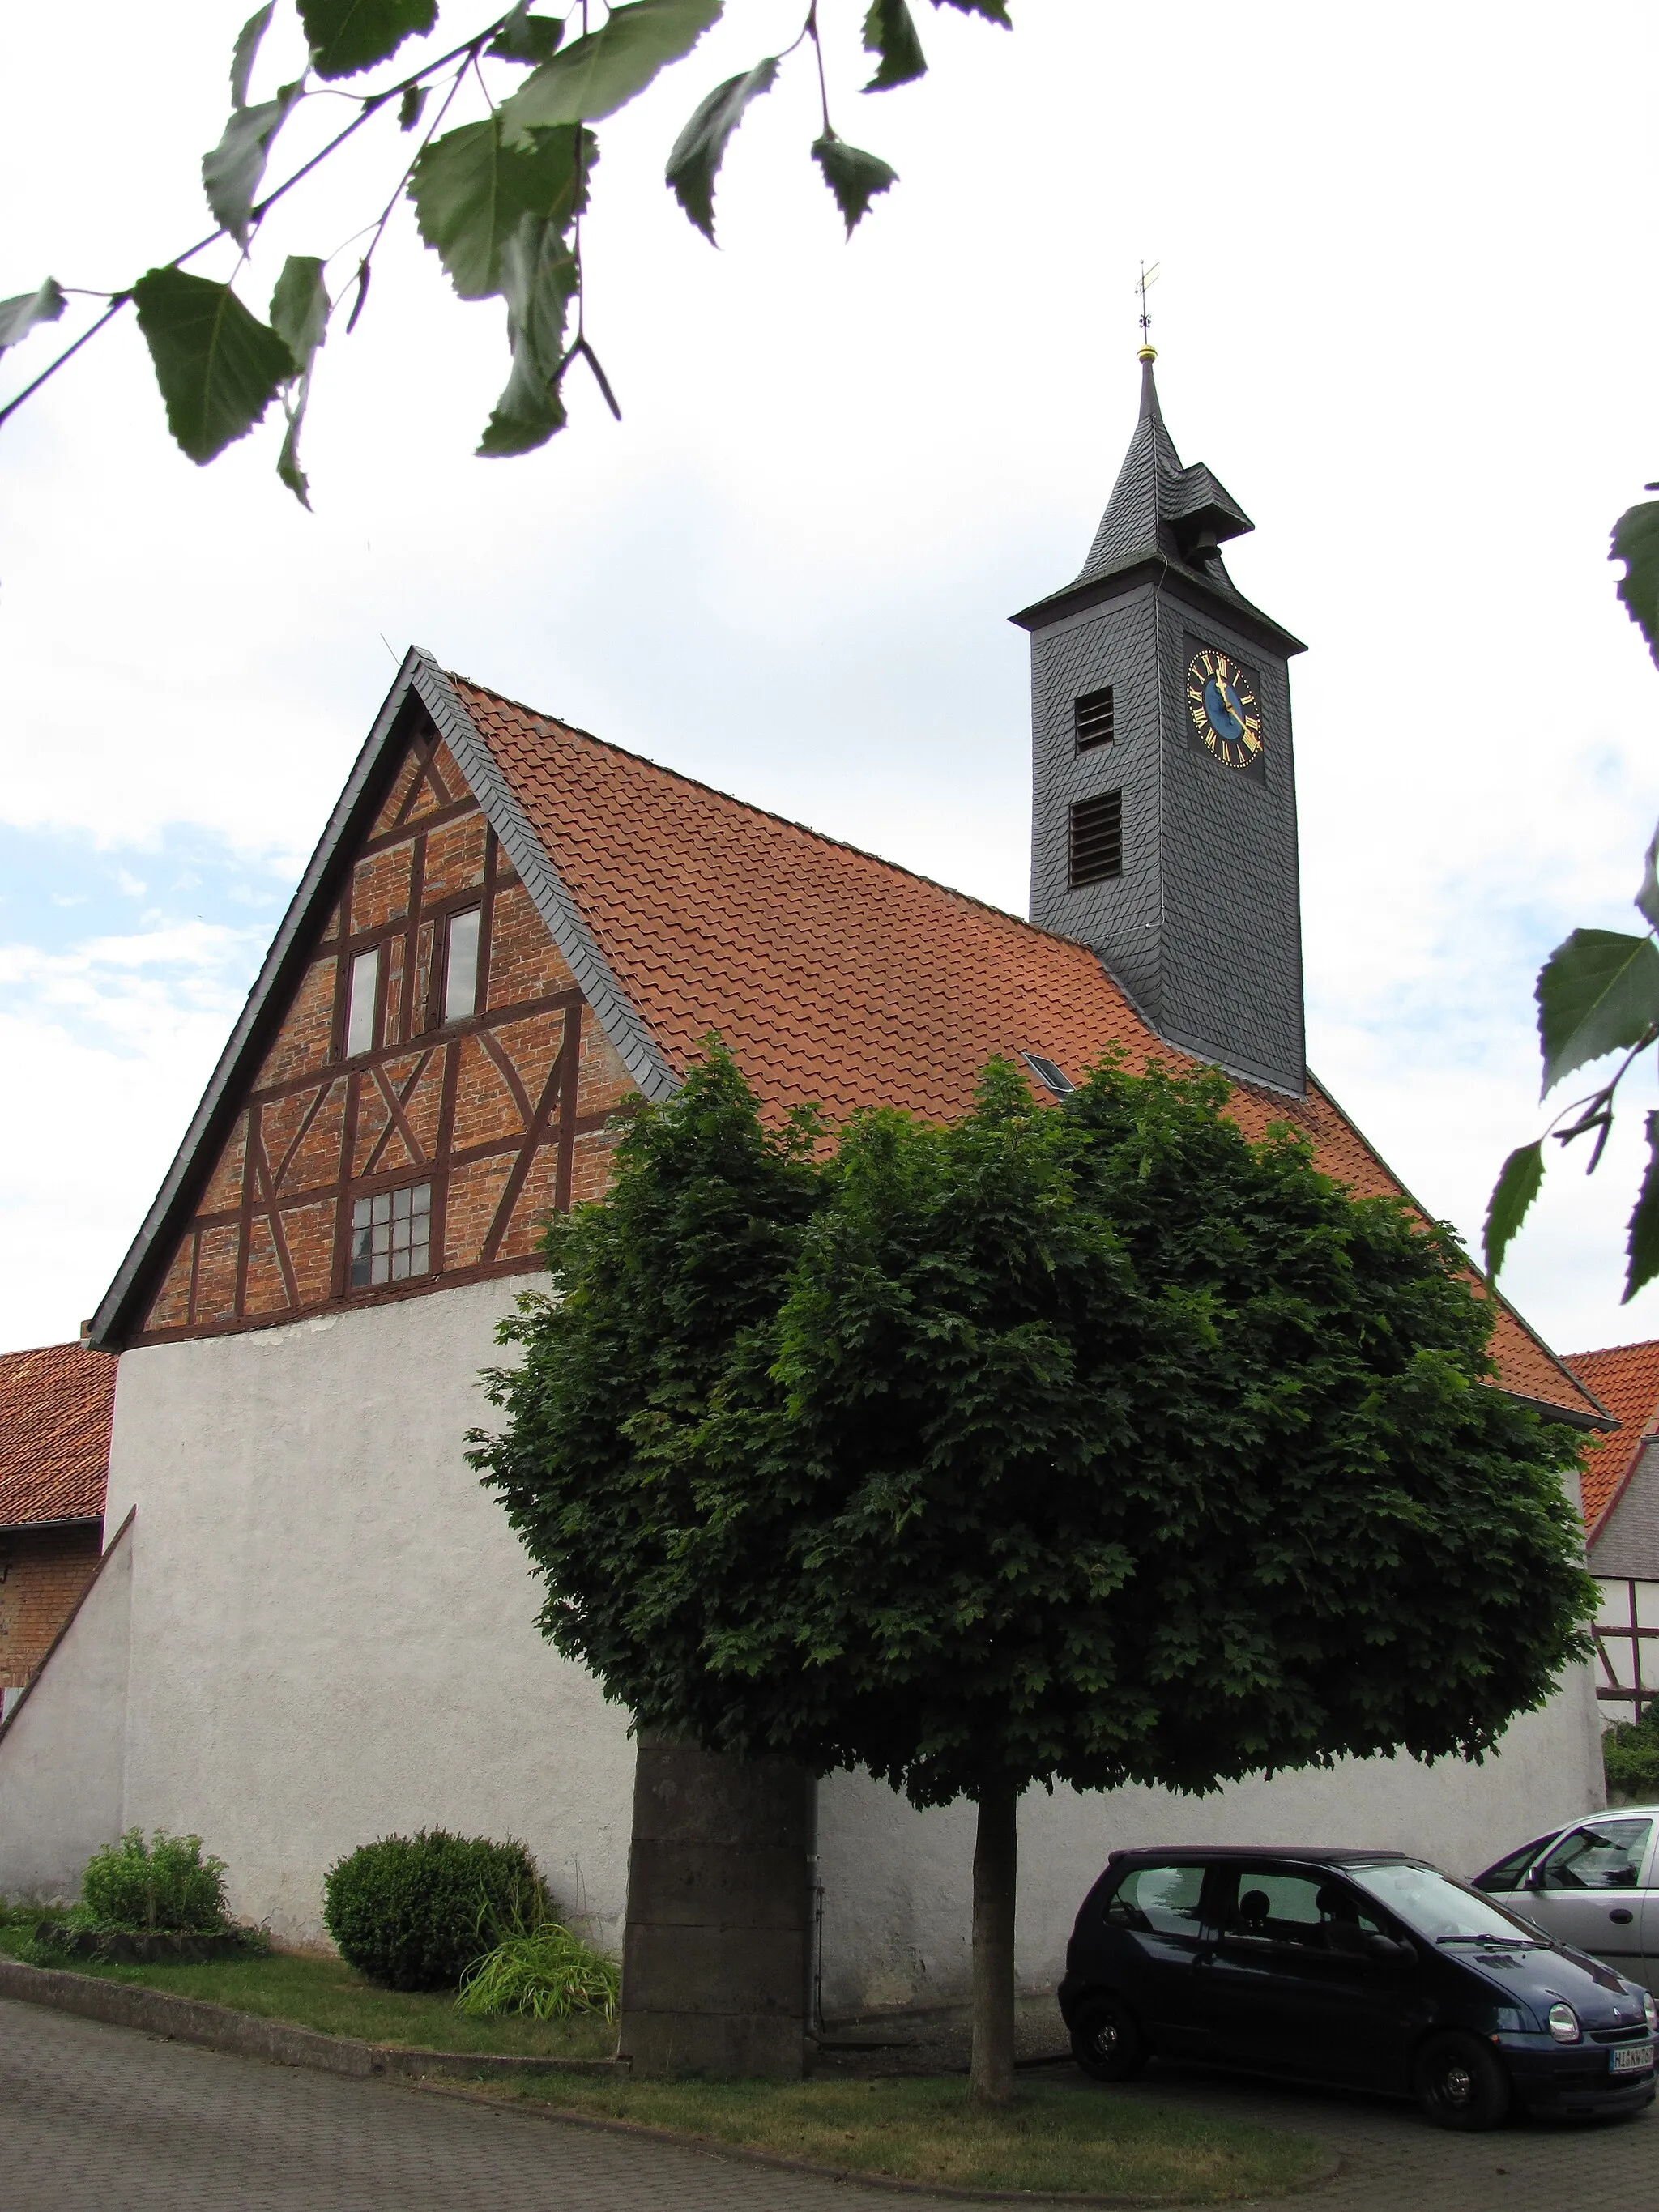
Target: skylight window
{"type": "Point", "coordinates": [360, 1005]}
{"type": "Point", "coordinates": [1048, 1073]}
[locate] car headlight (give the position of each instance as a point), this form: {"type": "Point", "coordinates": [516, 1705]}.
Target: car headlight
{"type": "Point", "coordinates": [1652, 2012]}
{"type": "Point", "coordinates": [1563, 2023]}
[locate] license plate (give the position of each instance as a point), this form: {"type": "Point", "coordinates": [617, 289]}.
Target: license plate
{"type": "Point", "coordinates": [1634, 2058]}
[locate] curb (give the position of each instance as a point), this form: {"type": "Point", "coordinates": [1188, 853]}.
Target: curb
{"type": "Point", "coordinates": [854, 2176]}
{"type": "Point", "coordinates": [245, 2035]}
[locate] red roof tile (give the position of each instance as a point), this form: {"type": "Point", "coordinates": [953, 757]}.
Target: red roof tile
{"type": "Point", "coordinates": [840, 978]}
{"type": "Point", "coordinates": [55, 1407]}
{"type": "Point", "coordinates": [1626, 1380]}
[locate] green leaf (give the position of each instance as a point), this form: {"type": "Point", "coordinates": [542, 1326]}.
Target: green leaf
{"type": "Point", "coordinates": [1596, 993]}
{"type": "Point", "coordinates": [1642, 1246]}
{"type": "Point", "coordinates": [700, 146]}
{"type": "Point", "coordinates": [1636, 543]}
{"type": "Point", "coordinates": [994, 11]}
{"type": "Point", "coordinates": [527, 38]}
{"type": "Point", "coordinates": [471, 190]}
{"type": "Point", "coordinates": [603, 72]}
{"type": "Point", "coordinates": [411, 106]}
{"type": "Point", "coordinates": [854, 178]}
{"type": "Point", "coordinates": [231, 172]}
{"type": "Point", "coordinates": [1647, 897]}
{"type": "Point", "coordinates": [889, 30]}
{"type": "Point", "coordinates": [218, 366]}
{"type": "Point", "coordinates": [244, 51]}
{"type": "Point", "coordinates": [1513, 1193]}
{"type": "Point", "coordinates": [19, 316]}
{"type": "Point", "coordinates": [348, 35]}
{"type": "Point", "coordinates": [538, 277]}
{"type": "Point", "coordinates": [299, 315]}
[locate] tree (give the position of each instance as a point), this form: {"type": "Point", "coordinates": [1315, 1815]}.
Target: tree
{"type": "Point", "coordinates": [499, 198]}
{"type": "Point", "coordinates": [1598, 993]}
{"type": "Point", "coordinates": [1091, 1445]}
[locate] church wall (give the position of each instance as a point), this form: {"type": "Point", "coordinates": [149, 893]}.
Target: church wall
{"type": "Point", "coordinates": [62, 1751]}
{"type": "Point", "coordinates": [897, 1902]}
{"type": "Point", "coordinates": [333, 1626]}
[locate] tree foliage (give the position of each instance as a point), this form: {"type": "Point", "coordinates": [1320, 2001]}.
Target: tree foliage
{"type": "Point", "coordinates": [1092, 1444]}
{"type": "Point", "coordinates": [500, 199]}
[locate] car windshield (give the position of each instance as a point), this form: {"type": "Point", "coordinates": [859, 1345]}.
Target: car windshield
{"type": "Point", "coordinates": [1440, 1909]}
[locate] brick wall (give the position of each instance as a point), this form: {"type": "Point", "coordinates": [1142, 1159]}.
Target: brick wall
{"type": "Point", "coordinates": [42, 1574]}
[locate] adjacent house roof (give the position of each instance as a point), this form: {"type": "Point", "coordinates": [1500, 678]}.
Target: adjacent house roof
{"type": "Point", "coordinates": [833, 977]}
{"type": "Point", "coordinates": [1626, 1379]}
{"type": "Point", "coordinates": [55, 1407]}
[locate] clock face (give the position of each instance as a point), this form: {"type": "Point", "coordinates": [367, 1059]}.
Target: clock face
{"type": "Point", "coordinates": [1222, 701]}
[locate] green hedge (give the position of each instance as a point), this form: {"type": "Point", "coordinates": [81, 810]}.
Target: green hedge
{"type": "Point", "coordinates": [413, 1912]}
{"type": "Point", "coordinates": [1630, 1756]}
{"type": "Point", "coordinates": [165, 1883]}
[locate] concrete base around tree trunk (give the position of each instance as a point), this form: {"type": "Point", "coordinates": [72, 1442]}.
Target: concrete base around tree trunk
{"type": "Point", "coordinates": [715, 1959]}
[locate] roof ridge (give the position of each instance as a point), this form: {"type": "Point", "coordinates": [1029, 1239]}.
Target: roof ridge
{"type": "Point", "coordinates": [33, 1350]}
{"type": "Point", "coordinates": [767, 814]}
{"type": "Point", "coordinates": [1610, 1350]}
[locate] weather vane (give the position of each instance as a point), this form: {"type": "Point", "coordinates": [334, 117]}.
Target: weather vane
{"type": "Point", "coordinates": [1148, 278]}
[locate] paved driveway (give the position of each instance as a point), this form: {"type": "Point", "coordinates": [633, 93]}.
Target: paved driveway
{"type": "Point", "coordinates": [100, 2120]}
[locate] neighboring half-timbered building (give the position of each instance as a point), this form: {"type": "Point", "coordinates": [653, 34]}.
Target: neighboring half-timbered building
{"type": "Point", "coordinates": [314, 1627]}
{"type": "Point", "coordinates": [1621, 1524]}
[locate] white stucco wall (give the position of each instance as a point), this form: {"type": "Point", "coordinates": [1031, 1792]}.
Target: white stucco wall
{"type": "Point", "coordinates": [899, 1883]}
{"type": "Point", "coordinates": [333, 1627]}
{"type": "Point", "coordinates": [61, 1753]}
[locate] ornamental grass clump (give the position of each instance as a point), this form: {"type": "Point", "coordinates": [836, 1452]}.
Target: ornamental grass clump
{"type": "Point", "coordinates": [414, 1912]}
{"type": "Point", "coordinates": [541, 1972]}
{"type": "Point", "coordinates": [165, 1886]}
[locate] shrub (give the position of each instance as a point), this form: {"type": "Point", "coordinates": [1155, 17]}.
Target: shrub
{"type": "Point", "coordinates": [1630, 1756]}
{"type": "Point", "coordinates": [543, 1971]}
{"type": "Point", "coordinates": [164, 1884]}
{"type": "Point", "coordinates": [413, 1912]}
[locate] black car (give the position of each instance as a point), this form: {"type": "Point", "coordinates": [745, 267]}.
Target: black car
{"type": "Point", "coordinates": [1367, 1968]}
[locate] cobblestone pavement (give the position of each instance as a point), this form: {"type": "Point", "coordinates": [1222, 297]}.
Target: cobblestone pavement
{"type": "Point", "coordinates": [100, 2120]}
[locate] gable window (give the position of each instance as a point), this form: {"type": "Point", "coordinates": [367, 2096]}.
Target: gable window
{"type": "Point", "coordinates": [1096, 842]}
{"type": "Point", "coordinates": [1092, 721]}
{"type": "Point", "coordinates": [461, 965]}
{"type": "Point", "coordinates": [392, 1236]}
{"type": "Point", "coordinates": [360, 1003]}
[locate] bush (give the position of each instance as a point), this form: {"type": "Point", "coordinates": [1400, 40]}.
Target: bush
{"type": "Point", "coordinates": [165, 1883]}
{"type": "Point", "coordinates": [413, 1912]}
{"type": "Point", "coordinates": [544, 1972]}
{"type": "Point", "coordinates": [1630, 1756]}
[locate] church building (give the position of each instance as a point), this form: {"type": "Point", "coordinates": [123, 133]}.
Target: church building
{"type": "Point", "coordinates": [311, 1625]}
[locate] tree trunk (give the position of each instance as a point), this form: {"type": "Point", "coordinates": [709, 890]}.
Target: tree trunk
{"type": "Point", "coordinates": [996, 1854]}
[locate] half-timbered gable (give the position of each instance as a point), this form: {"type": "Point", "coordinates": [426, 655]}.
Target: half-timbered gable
{"type": "Point", "coordinates": [434, 1087]}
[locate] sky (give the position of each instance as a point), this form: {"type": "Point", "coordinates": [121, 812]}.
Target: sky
{"type": "Point", "coordinates": [1403, 312]}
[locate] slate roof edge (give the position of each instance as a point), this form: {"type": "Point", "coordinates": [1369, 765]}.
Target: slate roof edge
{"type": "Point", "coordinates": [636, 1047]}
{"type": "Point", "coordinates": [1601, 1419]}
{"type": "Point", "coordinates": [1623, 1484]}
{"type": "Point", "coordinates": [1184, 583]}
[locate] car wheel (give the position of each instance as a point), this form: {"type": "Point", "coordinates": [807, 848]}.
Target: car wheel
{"type": "Point", "coordinates": [1460, 2083]}
{"type": "Point", "coordinates": [1106, 2041]}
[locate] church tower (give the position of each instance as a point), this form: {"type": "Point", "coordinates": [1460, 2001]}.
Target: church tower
{"type": "Point", "coordinates": [1163, 784]}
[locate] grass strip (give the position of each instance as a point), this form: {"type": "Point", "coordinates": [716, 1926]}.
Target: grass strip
{"type": "Point", "coordinates": [325, 1994]}
{"type": "Point", "coordinates": [1055, 2139]}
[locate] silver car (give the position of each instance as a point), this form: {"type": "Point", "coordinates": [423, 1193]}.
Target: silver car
{"type": "Point", "coordinates": [1594, 1885]}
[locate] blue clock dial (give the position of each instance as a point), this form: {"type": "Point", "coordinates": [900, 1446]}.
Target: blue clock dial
{"type": "Point", "coordinates": [1222, 701]}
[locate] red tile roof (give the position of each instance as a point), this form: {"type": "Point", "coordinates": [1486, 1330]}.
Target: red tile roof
{"type": "Point", "coordinates": [840, 978]}
{"type": "Point", "coordinates": [55, 1407]}
{"type": "Point", "coordinates": [1626, 1380]}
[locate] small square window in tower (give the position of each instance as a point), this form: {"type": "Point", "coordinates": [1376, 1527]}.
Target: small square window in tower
{"type": "Point", "coordinates": [461, 966]}
{"type": "Point", "coordinates": [1096, 844]}
{"type": "Point", "coordinates": [1092, 720]}
{"type": "Point", "coordinates": [392, 1236]}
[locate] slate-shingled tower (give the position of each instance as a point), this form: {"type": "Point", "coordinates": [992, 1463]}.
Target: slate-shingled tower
{"type": "Point", "coordinates": [1164, 786]}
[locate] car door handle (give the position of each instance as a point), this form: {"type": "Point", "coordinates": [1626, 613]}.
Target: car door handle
{"type": "Point", "coordinates": [1621, 1915]}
